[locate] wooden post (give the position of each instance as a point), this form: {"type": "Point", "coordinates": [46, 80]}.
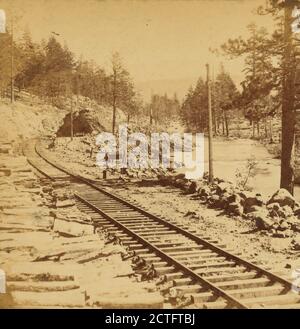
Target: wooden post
{"type": "Point", "coordinates": [151, 114]}
{"type": "Point", "coordinates": [210, 132]}
{"type": "Point", "coordinates": [214, 103]}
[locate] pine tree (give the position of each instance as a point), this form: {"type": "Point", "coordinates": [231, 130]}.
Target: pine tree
{"type": "Point", "coordinates": [225, 98]}
{"type": "Point", "coordinates": [270, 68]}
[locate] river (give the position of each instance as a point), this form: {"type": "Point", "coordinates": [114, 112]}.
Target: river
{"type": "Point", "coordinates": [232, 155]}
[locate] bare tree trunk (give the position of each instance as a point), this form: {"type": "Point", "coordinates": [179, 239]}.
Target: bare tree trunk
{"type": "Point", "coordinates": [288, 113]}
{"type": "Point", "coordinates": [271, 130]}
{"type": "Point", "coordinates": [114, 102]}
{"type": "Point", "coordinates": [218, 126]}
{"type": "Point", "coordinates": [223, 127]}
{"type": "Point", "coordinates": [266, 127]}
{"type": "Point", "coordinates": [114, 118]}
{"type": "Point", "coordinates": [226, 123]}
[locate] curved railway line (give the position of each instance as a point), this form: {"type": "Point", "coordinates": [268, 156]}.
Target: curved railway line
{"type": "Point", "coordinates": [192, 269]}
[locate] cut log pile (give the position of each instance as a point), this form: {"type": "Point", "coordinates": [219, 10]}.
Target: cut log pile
{"type": "Point", "coordinates": [48, 249]}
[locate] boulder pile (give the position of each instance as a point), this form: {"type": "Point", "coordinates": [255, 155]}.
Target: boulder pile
{"type": "Point", "coordinates": [279, 216]}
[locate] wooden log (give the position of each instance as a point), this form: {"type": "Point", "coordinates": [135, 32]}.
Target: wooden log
{"type": "Point", "coordinates": [72, 228]}
{"type": "Point", "coordinates": [72, 298]}
{"type": "Point", "coordinates": [136, 301]}
{"type": "Point", "coordinates": [41, 286]}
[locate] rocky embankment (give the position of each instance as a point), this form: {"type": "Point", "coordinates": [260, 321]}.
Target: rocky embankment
{"type": "Point", "coordinates": [279, 216]}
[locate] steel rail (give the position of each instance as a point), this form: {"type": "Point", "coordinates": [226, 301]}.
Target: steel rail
{"type": "Point", "coordinates": [164, 256]}
{"type": "Point", "coordinates": [195, 238]}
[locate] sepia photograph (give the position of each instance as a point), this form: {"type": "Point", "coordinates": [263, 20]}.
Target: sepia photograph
{"type": "Point", "coordinates": [150, 156]}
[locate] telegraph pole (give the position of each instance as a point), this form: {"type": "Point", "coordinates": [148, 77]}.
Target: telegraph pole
{"type": "Point", "coordinates": [71, 117]}
{"type": "Point", "coordinates": [71, 105]}
{"type": "Point", "coordinates": [210, 132]}
{"type": "Point", "coordinates": [12, 95]}
{"type": "Point", "coordinates": [214, 101]}
{"type": "Point", "coordinates": [151, 114]}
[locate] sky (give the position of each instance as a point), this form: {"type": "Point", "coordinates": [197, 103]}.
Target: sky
{"type": "Point", "coordinates": [164, 44]}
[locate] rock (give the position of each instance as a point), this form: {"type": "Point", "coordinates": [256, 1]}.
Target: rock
{"type": "Point", "coordinates": [214, 201]}
{"type": "Point", "coordinates": [6, 149]}
{"type": "Point", "coordinates": [47, 189]}
{"type": "Point", "coordinates": [178, 176]}
{"type": "Point", "coordinates": [65, 203]}
{"type": "Point", "coordinates": [283, 197]}
{"type": "Point", "coordinates": [61, 195]}
{"type": "Point", "coordinates": [204, 191]}
{"type": "Point", "coordinates": [282, 212]}
{"type": "Point", "coordinates": [234, 198]}
{"type": "Point", "coordinates": [296, 227]}
{"type": "Point", "coordinates": [252, 201]}
{"type": "Point", "coordinates": [190, 213]}
{"type": "Point", "coordinates": [253, 208]}
{"type": "Point", "coordinates": [297, 212]}
{"type": "Point", "coordinates": [296, 243]}
{"type": "Point", "coordinates": [263, 222]}
{"type": "Point", "coordinates": [274, 205]}
{"type": "Point", "coordinates": [179, 182]}
{"type": "Point", "coordinates": [224, 200]}
{"type": "Point", "coordinates": [5, 171]}
{"type": "Point", "coordinates": [293, 220]}
{"type": "Point", "coordinates": [218, 180]}
{"type": "Point", "coordinates": [288, 211]}
{"type": "Point", "coordinates": [276, 213]}
{"type": "Point", "coordinates": [163, 180]}
{"type": "Point", "coordinates": [284, 226]}
{"type": "Point", "coordinates": [224, 187]}
{"type": "Point", "coordinates": [235, 208]}
{"type": "Point", "coordinates": [186, 186]}
{"type": "Point", "coordinates": [279, 235]}
{"type": "Point", "coordinates": [288, 233]}
{"type": "Point", "coordinates": [195, 186]}
{"type": "Point", "coordinates": [259, 199]}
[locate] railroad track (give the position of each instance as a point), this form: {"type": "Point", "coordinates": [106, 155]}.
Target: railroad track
{"type": "Point", "coordinates": [191, 269]}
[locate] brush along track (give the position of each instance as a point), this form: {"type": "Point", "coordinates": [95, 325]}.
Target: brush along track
{"type": "Point", "coordinates": [192, 268]}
